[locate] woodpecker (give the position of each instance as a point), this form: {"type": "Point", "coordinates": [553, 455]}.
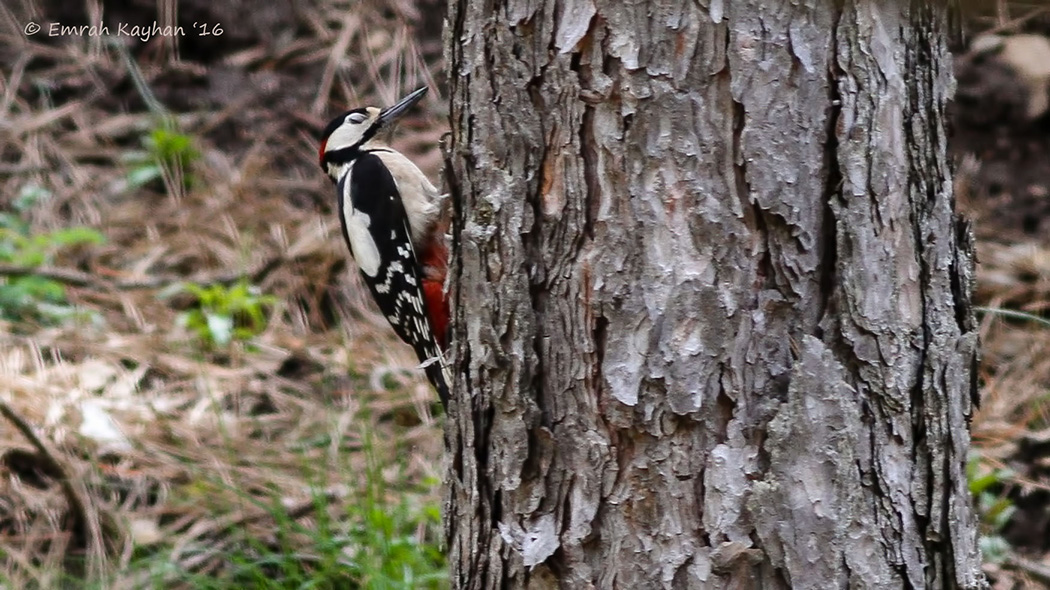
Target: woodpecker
{"type": "Point", "coordinates": [390, 218]}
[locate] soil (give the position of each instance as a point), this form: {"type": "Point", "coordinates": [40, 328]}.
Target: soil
{"type": "Point", "coordinates": [1010, 189]}
{"type": "Point", "coordinates": [1008, 173]}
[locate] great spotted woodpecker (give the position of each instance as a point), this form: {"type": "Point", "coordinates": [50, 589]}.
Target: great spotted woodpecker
{"type": "Point", "coordinates": [390, 217]}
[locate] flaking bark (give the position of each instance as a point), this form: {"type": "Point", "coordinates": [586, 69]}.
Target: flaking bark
{"type": "Point", "coordinates": [712, 301]}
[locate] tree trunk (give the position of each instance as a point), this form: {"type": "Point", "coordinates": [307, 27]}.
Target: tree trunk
{"type": "Point", "coordinates": [712, 302]}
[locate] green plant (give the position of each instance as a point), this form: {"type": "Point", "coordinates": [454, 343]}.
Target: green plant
{"type": "Point", "coordinates": [375, 545]}
{"type": "Point", "coordinates": [375, 537]}
{"type": "Point", "coordinates": [168, 155]}
{"type": "Point", "coordinates": [994, 508]}
{"type": "Point", "coordinates": [386, 551]}
{"type": "Point", "coordinates": [27, 296]}
{"type": "Point", "coordinates": [226, 314]}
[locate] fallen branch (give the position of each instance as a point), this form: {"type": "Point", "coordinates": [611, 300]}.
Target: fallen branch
{"type": "Point", "coordinates": [78, 278]}
{"type": "Point", "coordinates": [62, 275]}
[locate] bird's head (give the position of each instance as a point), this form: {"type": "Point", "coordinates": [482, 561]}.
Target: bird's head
{"type": "Point", "coordinates": [350, 131]}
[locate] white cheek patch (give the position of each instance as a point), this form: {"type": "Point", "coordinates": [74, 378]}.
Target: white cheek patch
{"type": "Point", "coordinates": [345, 135]}
{"type": "Point", "coordinates": [364, 247]}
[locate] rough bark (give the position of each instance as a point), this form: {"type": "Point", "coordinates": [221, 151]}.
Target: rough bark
{"type": "Point", "coordinates": [712, 302]}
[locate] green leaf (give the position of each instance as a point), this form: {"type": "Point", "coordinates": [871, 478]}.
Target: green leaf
{"type": "Point", "coordinates": [74, 236]}
{"type": "Point", "coordinates": [994, 548]}
{"type": "Point", "coordinates": [143, 175]}
{"type": "Point", "coordinates": [29, 195]}
{"type": "Point", "coordinates": [980, 484]}
{"type": "Point", "coordinates": [225, 314]}
{"type": "Point", "coordinates": [40, 288]}
{"type": "Point", "coordinates": [13, 222]}
{"type": "Point", "coordinates": [220, 327]}
{"type": "Point", "coordinates": [171, 148]}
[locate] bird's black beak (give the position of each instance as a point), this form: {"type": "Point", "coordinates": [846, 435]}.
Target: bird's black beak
{"type": "Point", "coordinates": [391, 113]}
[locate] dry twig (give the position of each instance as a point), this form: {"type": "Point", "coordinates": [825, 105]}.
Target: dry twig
{"type": "Point", "coordinates": [86, 515]}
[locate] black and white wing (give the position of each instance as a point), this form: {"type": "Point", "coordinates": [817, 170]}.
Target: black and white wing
{"type": "Point", "coordinates": [375, 226]}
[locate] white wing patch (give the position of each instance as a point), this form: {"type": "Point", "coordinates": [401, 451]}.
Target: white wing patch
{"type": "Point", "coordinates": [361, 243]}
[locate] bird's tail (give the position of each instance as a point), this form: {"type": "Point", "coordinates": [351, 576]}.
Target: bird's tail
{"type": "Point", "coordinates": [438, 373]}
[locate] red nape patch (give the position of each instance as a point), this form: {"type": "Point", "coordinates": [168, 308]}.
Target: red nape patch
{"type": "Point", "coordinates": [320, 152]}
{"type": "Point", "coordinates": [437, 310]}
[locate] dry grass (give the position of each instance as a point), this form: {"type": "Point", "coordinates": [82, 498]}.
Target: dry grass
{"type": "Point", "coordinates": [1011, 429]}
{"type": "Point", "coordinates": [169, 449]}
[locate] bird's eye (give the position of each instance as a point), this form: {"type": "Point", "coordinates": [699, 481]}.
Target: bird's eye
{"type": "Point", "coordinates": [357, 117]}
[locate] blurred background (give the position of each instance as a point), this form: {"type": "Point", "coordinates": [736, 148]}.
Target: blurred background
{"type": "Point", "coordinates": [1000, 140]}
{"type": "Point", "coordinates": [177, 319]}
{"type": "Point", "coordinates": [181, 339]}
